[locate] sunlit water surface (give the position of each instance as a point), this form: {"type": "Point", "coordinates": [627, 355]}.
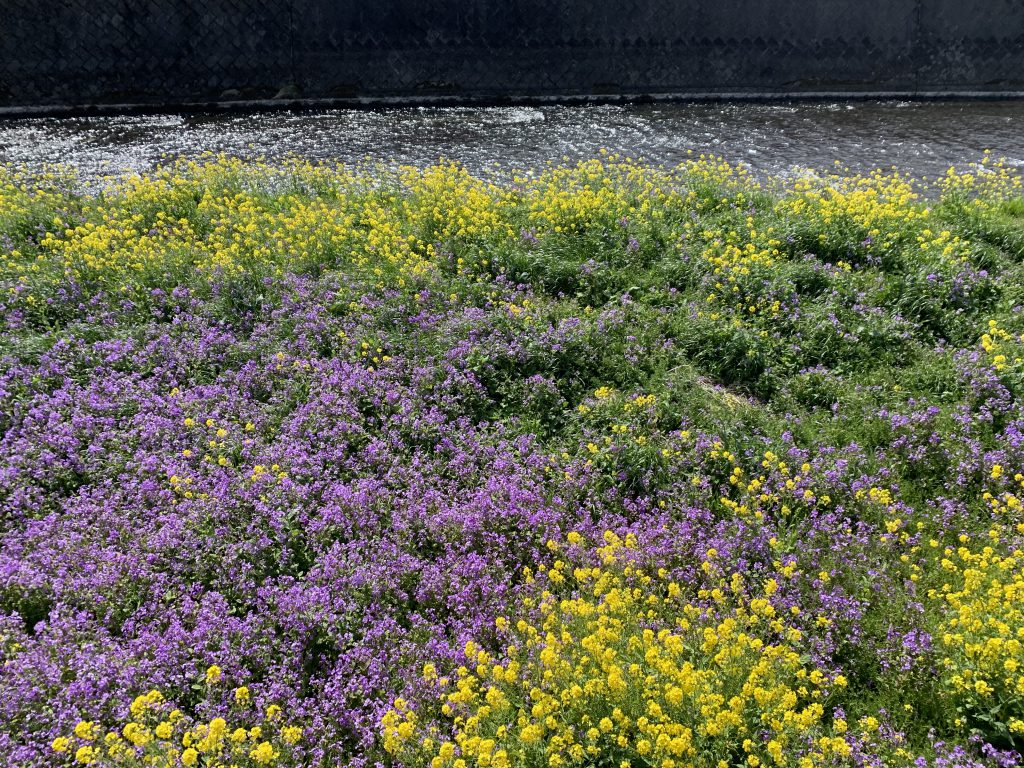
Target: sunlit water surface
{"type": "Point", "coordinates": [923, 139]}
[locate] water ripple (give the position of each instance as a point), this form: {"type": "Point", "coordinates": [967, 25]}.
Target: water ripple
{"type": "Point", "coordinates": [920, 138]}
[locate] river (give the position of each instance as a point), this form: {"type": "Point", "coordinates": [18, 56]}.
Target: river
{"type": "Point", "coordinates": [921, 138]}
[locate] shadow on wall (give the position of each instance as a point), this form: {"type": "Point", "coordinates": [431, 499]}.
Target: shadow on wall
{"type": "Point", "coordinates": [55, 52]}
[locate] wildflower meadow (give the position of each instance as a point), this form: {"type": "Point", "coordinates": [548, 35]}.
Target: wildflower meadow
{"type": "Point", "coordinates": [595, 464]}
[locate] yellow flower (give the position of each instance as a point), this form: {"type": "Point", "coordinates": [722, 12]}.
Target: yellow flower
{"type": "Point", "coordinates": [61, 744]}
{"type": "Point", "coordinates": [242, 695]}
{"type": "Point", "coordinates": [264, 754]}
{"type": "Point", "coordinates": [213, 674]}
{"type": "Point", "coordinates": [597, 648]}
{"type": "Point", "coordinates": [189, 757]}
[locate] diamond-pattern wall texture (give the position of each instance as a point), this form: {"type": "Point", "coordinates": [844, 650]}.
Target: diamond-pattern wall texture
{"type": "Point", "coordinates": [89, 52]}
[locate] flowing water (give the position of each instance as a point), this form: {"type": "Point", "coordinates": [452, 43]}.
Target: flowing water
{"type": "Point", "coordinates": [921, 138]}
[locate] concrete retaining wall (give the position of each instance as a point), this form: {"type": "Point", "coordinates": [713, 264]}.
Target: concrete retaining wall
{"type": "Point", "coordinates": [95, 52]}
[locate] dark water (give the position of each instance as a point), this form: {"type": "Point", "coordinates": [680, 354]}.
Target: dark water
{"type": "Point", "coordinates": [919, 138]}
